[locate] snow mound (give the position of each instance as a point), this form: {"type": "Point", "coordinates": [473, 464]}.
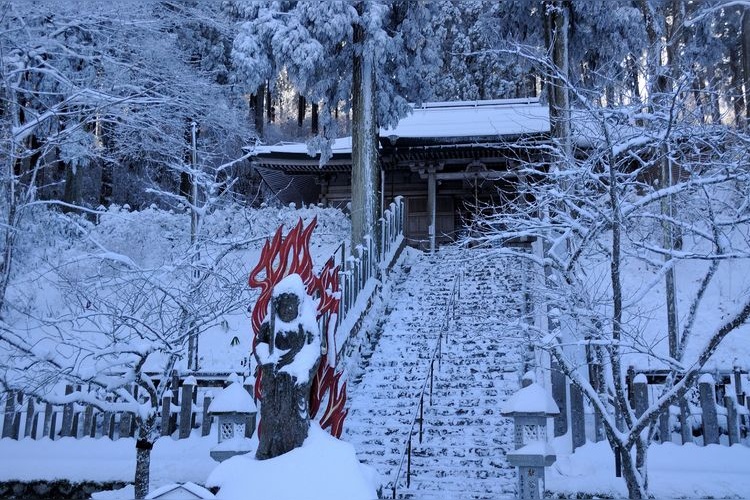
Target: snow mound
{"type": "Point", "coordinates": [323, 468]}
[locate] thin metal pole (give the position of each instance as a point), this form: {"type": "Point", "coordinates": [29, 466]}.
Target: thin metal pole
{"type": "Point", "coordinates": [432, 364]}
{"type": "Point", "coordinates": [408, 465]}
{"type": "Point", "coordinates": [421, 416]}
{"type": "Point", "coordinates": [440, 351]}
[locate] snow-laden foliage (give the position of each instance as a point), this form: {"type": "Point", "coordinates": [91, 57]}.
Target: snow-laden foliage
{"type": "Point", "coordinates": [113, 86]}
{"type": "Point", "coordinates": [113, 303]}
{"type": "Point", "coordinates": [313, 44]}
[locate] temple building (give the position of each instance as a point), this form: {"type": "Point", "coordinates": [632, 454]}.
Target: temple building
{"type": "Point", "coordinates": [446, 159]}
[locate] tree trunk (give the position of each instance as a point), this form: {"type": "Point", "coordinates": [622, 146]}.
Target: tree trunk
{"type": "Point", "coordinates": [269, 105]}
{"type": "Point", "coordinates": [258, 100]}
{"type": "Point", "coordinates": [738, 98]}
{"type": "Point", "coordinates": [659, 88]}
{"type": "Point", "coordinates": [557, 22]}
{"type": "Point", "coordinates": [365, 171]}
{"type": "Point", "coordinates": [314, 119]}
{"type": "Point", "coordinates": [301, 109]}
{"type": "Point", "coordinates": [746, 60]}
{"type": "Point", "coordinates": [633, 480]}
{"type": "Point", "coordinates": [143, 447]}
{"type": "Point", "coordinates": [142, 472]}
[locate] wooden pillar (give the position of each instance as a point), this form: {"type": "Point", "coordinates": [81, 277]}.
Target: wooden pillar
{"type": "Point", "coordinates": [431, 206]}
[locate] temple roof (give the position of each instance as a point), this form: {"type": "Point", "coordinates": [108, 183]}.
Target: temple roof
{"type": "Point", "coordinates": [474, 124]}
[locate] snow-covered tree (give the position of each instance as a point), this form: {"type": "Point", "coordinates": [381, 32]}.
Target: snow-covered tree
{"type": "Point", "coordinates": [96, 106]}
{"type": "Point", "coordinates": [322, 47]}
{"type": "Point", "coordinates": [113, 308]}
{"type": "Point", "coordinates": [598, 217]}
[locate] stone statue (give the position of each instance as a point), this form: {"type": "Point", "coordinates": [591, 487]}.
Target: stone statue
{"type": "Point", "coordinates": [288, 353]}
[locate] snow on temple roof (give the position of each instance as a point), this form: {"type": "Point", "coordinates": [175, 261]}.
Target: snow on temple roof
{"type": "Point", "coordinates": [340, 145]}
{"type": "Point", "coordinates": [502, 117]}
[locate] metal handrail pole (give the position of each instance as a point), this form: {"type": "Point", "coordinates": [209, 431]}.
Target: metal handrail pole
{"type": "Point", "coordinates": [406, 454]}
{"type": "Point", "coordinates": [421, 417]}
{"type": "Point", "coordinates": [408, 466]}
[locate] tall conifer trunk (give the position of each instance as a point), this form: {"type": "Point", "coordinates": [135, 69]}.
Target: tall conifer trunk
{"type": "Point", "coordinates": [365, 171]}
{"type": "Point", "coordinates": [746, 60]}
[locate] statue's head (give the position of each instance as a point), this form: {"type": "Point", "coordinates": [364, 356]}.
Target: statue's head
{"type": "Point", "coordinates": [287, 306]}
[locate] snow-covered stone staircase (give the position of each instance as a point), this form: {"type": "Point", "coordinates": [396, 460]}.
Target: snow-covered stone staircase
{"type": "Point", "coordinates": [465, 439]}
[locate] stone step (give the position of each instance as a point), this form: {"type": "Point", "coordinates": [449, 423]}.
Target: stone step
{"type": "Point", "coordinates": [464, 437]}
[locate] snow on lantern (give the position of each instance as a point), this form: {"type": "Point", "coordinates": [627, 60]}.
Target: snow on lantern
{"type": "Point", "coordinates": [530, 408]}
{"type": "Point", "coordinates": [236, 413]}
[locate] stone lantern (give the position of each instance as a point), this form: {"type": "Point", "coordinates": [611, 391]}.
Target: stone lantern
{"type": "Point", "coordinates": [530, 408]}
{"type": "Point", "coordinates": [236, 413]}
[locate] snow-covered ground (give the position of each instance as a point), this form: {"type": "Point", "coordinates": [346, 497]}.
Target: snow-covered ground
{"type": "Point", "coordinates": [674, 471]}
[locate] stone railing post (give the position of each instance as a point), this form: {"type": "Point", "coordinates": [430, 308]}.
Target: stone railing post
{"type": "Point", "coordinates": [706, 388]}
{"type": "Point", "coordinates": [186, 407]}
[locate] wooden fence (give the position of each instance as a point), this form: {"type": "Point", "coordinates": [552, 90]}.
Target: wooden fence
{"type": "Point", "coordinates": [180, 412]}
{"type": "Point", "coordinates": [716, 412]}
{"type": "Point", "coordinates": [186, 406]}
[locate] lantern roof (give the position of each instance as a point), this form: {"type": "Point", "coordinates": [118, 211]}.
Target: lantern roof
{"type": "Point", "coordinates": [233, 399]}
{"type": "Point", "coordinates": [532, 399]}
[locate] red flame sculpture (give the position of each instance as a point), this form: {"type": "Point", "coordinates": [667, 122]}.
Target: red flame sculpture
{"type": "Point", "coordinates": [280, 257]}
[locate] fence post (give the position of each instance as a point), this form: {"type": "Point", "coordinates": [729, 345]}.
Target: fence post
{"type": "Point", "coordinates": [665, 432]}
{"type": "Point", "coordinates": [175, 398]}
{"type": "Point", "coordinates": [88, 420]}
{"type": "Point", "coordinates": [706, 387]}
{"type": "Point", "coordinates": [110, 420]}
{"type": "Point", "coordinates": [76, 425]}
{"type": "Point", "coordinates": [383, 249]}
{"type": "Point", "coordinates": [126, 419]}
{"type": "Point", "coordinates": [30, 414]}
{"type": "Point", "coordinates": [48, 411]}
{"type": "Point", "coordinates": [166, 415]}
{"type": "Point", "coordinates": [342, 295]}
{"type": "Point", "coordinates": [35, 426]}
{"type": "Point", "coordinates": [559, 394]}
{"type": "Point", "coordinates": [733, 426]}
{"type": "Point", "coordinates": [640, 394]}
{"type": "Point", "coordinates": [66, 427]}
{"type": "Point", "coordinates": [16, 425]}
{"type": "Point", "coordinates": [186, 406]}
{"type": "Point", "coordinates": [53, 426]}
{"type": "Point", "coordinates": [686, 431]}
{"type": "Point", "coordinates": [206, 424]}
{"type": "Point", "coordinates": [738, 386]}
{"type": "Point", "coordinates": [577, 417]}
{"type": "Point", "coordinates": [10, 413]}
